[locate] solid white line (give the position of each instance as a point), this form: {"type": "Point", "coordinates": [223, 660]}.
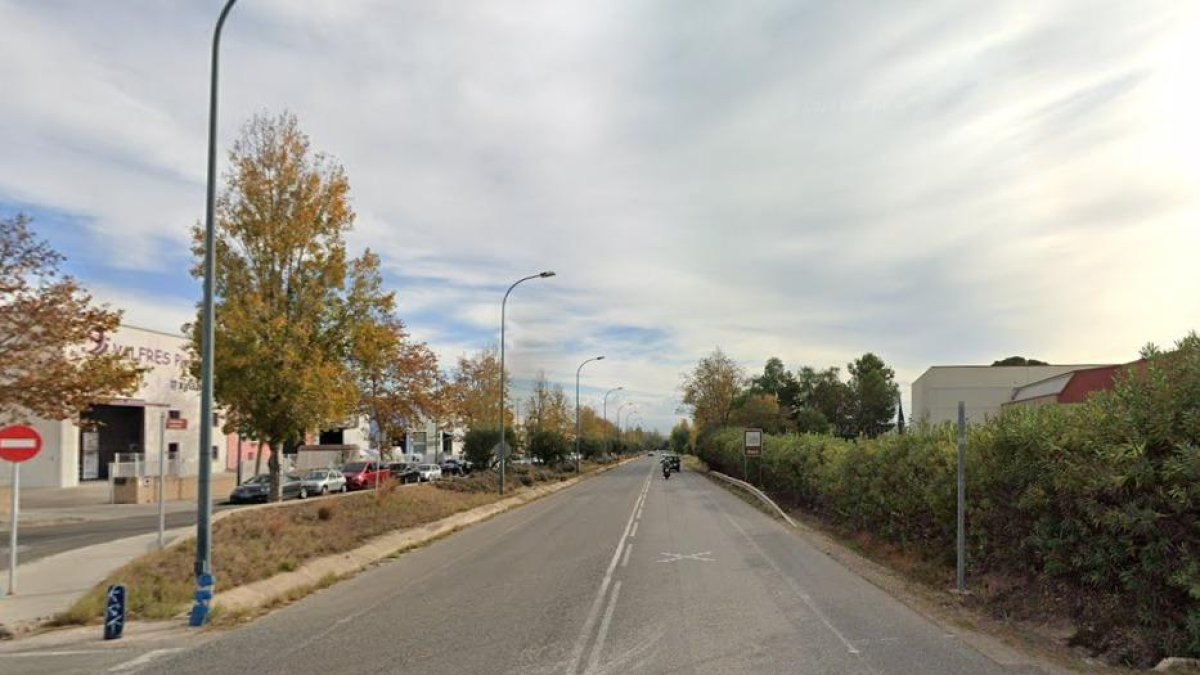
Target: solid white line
{"type": "Point", "coordinates": [628, 550]}
{"type": "Point", "coordinates": [633, 532]}
{"type": "Point", "coordinates": [594, 613]}
{"type": "Point", "coordinates": [603, 635]}
{"type": "Point", "coordinates": [143, 659]}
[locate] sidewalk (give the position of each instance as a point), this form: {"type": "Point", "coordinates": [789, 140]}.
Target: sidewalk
{"type": "Point", "coordinates": [85, 503]}
{"type": "Point", "coordinates": [54, 583]}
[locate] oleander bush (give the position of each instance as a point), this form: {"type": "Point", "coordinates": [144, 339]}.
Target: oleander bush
{"type": "Point", "coordinates": [1100, 501]}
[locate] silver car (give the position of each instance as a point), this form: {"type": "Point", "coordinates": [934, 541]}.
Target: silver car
{"type": "Point", "coordinates": [322, 482]}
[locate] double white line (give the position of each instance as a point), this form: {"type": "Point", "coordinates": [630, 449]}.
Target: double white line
{"type": "Point", "coordinates": [623, 546]}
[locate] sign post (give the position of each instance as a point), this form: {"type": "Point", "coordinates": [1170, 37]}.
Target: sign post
{"type": "Point", "coordinates": [17, 444]}
{"type": "Point", "coordinates": [162, 477]}
{"type": "Point", "coordinates": [752, 443]}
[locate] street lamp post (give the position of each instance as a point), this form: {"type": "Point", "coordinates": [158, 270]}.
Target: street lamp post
{"type": "Point", "coordinates": [577, 371]}
{"type": "Point", "coordinates": [503, 306]}
{"type": "Point", "coordinates": [609, 448]}
{"type": "Point", "coordinates": [203, 566]}
{"type": "Point", "coordinates": [619, 409]}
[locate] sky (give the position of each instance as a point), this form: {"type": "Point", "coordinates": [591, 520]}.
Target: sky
{"type": "Point", "coordinates": [935, 182]}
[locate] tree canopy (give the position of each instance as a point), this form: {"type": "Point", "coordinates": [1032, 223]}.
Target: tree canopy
{"type": "Point", "coordinates": [46, 320]}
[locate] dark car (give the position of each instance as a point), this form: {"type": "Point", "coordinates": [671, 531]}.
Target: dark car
{"type": "Point", "coordinates": [455, 467]}
{"type": "Point", "coordinates": [404, 473]}
{"type": "Point", "coordinates": [363, 475]}
{"type": "Point", "coordinates": [671, 461]}
{"type": "Point", "coordinates": [258, 488]}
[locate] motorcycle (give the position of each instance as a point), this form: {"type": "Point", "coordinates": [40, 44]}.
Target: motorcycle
{"type": "Point", "coordinates": [666, 469]}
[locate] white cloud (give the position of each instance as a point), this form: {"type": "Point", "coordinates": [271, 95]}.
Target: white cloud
{"type": "Point", "coordinates": [936, 185]}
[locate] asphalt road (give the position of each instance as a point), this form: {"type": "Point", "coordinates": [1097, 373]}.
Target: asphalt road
{"type": "Point", "coordinates": [38, 541]}
{"type": "Point", "coordinates": [624, 573]}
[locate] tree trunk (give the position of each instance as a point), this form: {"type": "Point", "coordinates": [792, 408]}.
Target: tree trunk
{"type": "Point", "coordinates": [276, 492]}
{"type": "Point", "coordinates": [258, 459]}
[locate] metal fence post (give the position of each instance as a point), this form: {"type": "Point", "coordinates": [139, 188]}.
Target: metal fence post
{"type": "Point", "coordinates": [961, 566]}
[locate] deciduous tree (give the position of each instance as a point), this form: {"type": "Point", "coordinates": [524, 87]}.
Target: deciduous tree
{"type": "Point", "coordinates": [46, 320]}
{"type": "Point", "coordinates": [710, 389]}
{"type": "Point", "coordinates": [281, 346]}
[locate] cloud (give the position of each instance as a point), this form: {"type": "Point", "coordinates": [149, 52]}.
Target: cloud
{"type": "Point", "coordinates": [935, 184]}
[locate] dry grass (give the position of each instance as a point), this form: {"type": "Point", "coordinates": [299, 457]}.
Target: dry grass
{"type": "Point", "coordinates": [258, 544]}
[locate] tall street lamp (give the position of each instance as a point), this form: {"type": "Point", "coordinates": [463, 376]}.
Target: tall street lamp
{"type": "Point", "coordinates": [577, 370]}
{"type": "Point", "coordinates": [619, 409]}
{"type": "Point", "coordinates": [606, 412]}
{"type": "Point", "coordinates": [503, 305]}
{"type": "Point", "coordinates": [203, 568]}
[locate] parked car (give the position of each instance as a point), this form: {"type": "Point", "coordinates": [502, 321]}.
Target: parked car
{"type": "Point", "coordinates": [258, 488]}
{"type": "Point", "coordinates": [322, 482]}
{"type": "Point", "coordinates": [429, 472]}
{"type": "Point", "coordinates": [404, 473]}
{"type": "Point", "coordinates": [454, 467]}
{"type": "Point", "coordinates": [363, 475]}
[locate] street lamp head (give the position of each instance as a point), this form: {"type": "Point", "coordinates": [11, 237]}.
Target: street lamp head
{"type": "Point", "coordinates": [546, 274]}
{"type": "Point", "coordinates": [599, 358]}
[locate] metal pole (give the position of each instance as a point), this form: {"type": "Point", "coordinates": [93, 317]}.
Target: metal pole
{"type": "Point", "coordinates": [162, 476]}
{"type": "Point", "coordinates": [608, 437]}
{"type": "Point", "coordinates": [962, 498]}
{"type": "Point", "coordinates": [204, 480]}
{"type": "Point", "coordinates": [12, 530]}
{"type": "Point", "coordinates": [577, 371]}
{"type": "Point", "coordinates": [503, 308]}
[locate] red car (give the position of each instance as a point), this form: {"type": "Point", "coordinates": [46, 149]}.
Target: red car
{"type": "Point", "coordinates": [364, 475]}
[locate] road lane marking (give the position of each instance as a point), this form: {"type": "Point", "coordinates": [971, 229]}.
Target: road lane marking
{"type": "Point", "coordinates": [143, 660]}
{"type": "Point", "coordinates": [63, 652]}
{"type": "Point", "coordinates": [633, 532]}
{"type": "Point", "coordinates": [808, 601]}
{"type": "Point", "coordinates": [676, 557]}
{"type": "Point", "coordinates": [594, 612]}
{"type": "Point", "coordinates": [628, 550]}
{"type": "Point", "coordinates": [603, 634]}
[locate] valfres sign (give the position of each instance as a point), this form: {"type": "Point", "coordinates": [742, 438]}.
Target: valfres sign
{"type": "Point", "coordinates": [103, 344]}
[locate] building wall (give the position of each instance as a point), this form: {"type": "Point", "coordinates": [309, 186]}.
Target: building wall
{"type": "Point", "coordinates": [936, 393]}
{"type": "Point", "coordinates": [165, 386]}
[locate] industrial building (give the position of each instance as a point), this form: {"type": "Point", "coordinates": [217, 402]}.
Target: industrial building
{"type": "Point", "coordinates": [984, 389]}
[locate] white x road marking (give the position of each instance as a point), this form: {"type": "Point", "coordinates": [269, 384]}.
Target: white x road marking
{"type": "Point", "coordinates": [676, 557]}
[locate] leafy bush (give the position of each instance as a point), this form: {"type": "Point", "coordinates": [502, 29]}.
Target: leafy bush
{"type": "Point", "coordinates": [1101, 498]}
{"type": "Point", "coordinates": [550, 447]}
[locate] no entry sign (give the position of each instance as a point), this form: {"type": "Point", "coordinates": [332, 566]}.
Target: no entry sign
{"type": "Point", "coordinates": [19, 443]}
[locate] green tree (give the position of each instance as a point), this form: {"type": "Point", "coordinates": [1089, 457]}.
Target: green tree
{"type": "Point", "coordinates": [824, 393]}
{"type": "Point", "coordinates": [760, 411]}
{"type": "Point", "coordinates": [550, 447]}
{"type": "Point", "coordinates": [46, 319]}
{"type": "Point", "coordinates": [874, 395]}
{"type": "Point", "coordinates": [281, 341]}
{"type": "Point", "coordinates": [711, 389]}
{"type": "Point", "coordinates": [1019, 361]}
{"type": "Point", "coordinates": [681, 437]}
{"type": "Point", "coordinates": [479, 444]}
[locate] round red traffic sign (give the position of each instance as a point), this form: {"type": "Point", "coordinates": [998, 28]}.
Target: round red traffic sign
{"type": "Point", "coordinates": [19, 443]}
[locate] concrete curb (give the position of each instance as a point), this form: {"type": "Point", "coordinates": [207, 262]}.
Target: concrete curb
{"type": "Point", "coordinates": [268, 590]}
{"type": "Point", "coordinates": [756, 492]}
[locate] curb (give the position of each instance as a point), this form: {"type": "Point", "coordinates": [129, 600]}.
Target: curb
{"type": "Point", "coordinates": [757, 493]}
{"type": "Point", "coordinates": [266, 591]}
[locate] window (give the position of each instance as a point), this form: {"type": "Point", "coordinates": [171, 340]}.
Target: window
{"type": "Point", "coordinates": [216, 420]}
{"type": "Point", "coordinates": [419, 443]}
{"type": "Point", "coordinates": [173, 414]}
{"type": "Point", "coordinates": [214, 452]}
{"type": "Point", "coordinates": [172, 450]}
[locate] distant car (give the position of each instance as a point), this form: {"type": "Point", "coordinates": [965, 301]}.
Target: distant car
{"type": "Point", "coordinates": [322, 482]}
{"type": "Point", "coordinates": [454, 467]}
{"type": "Point", "coordinates": [363, 475]}
{"type": "Point", "coordinates": [429, 472]}
{"type": "Point", "coordinates": [258, 488]}
{"type": "Point", "coordinates": [650, 454]}
{"type": "Point", "coordinates": [404, 473]}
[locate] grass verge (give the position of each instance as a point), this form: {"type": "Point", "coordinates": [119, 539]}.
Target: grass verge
{"type": "Point", "coordinates": [258, 544]}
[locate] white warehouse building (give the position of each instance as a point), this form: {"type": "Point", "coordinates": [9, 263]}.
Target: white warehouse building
{"type": "Point", "coordinates": [936, 393]}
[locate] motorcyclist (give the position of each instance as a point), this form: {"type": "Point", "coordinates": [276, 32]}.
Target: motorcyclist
{"type": "Point", "coordinates": [666, 467]}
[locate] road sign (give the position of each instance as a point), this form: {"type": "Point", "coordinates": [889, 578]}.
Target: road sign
{"type": "Point", "coordinates": [176, 423]}
{"type": "Point", "coordinates": [19, 443]}
{"type": "Point", "coordinates": [507, 450]}
{"type": "Point", "coordinates": [752, 443]}
{"type": "Point", "coordinates": [114, 612]}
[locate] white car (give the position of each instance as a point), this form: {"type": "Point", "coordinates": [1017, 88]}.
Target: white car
{"type": "Point", "coordinates": [322, 482]}
{"type": "Point", "coordinates": [429, 472]}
